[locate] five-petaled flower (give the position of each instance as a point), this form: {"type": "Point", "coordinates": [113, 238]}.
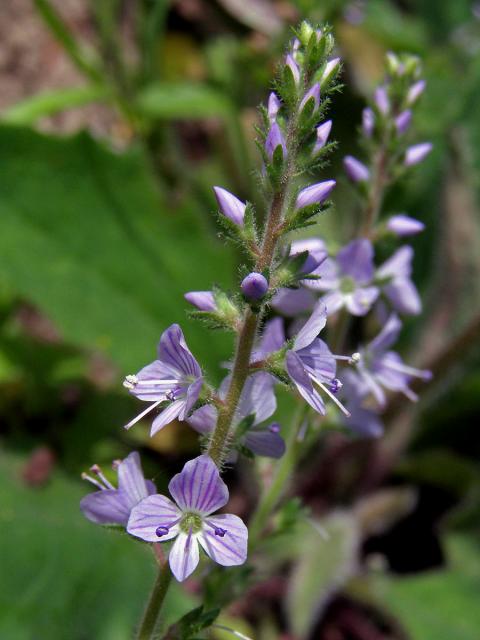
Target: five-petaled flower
{"type": "Point", "coordinates": [174, 378]}
{"type": "Point", "coordinates": [198, 492]}
{"type": "Point", "coordinates": [111, 505]}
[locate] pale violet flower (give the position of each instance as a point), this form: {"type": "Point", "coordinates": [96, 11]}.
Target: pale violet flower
{"type": "Point", "coordinates": [394, 278]}
{"type": "Point", "coordinates": [174, 379]}
{"type": "Point", "coordinates": [112, 505]}
{"type": "Point", "coordinates": [198, 491]}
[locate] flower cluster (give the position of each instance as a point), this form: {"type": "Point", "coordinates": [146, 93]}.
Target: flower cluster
{"type": "Point", "coordinates": [289, 292]}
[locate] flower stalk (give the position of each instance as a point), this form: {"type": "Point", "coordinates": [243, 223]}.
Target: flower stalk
{"type": "Point", "coordinates": [146, 630]}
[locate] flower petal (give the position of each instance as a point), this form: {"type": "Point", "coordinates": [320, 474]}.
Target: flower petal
{"type": "Point", "coordinates": [204, 419]}
{"type": "Point", "coordinates": [399, 264]}
{"type": "Point", "coordinates": [291, 302]}
{"type": "Point", "coordinates": [403, 295]}
{"type": "Point", "coordinates": [231, 548]}
{"type": "Point", "coordinates": [387, 336]}
{"type": "Point", "coordinates": [272, 339]}
{"type": "Point", "coordinates": [360, 302]}
{"type": "Point", "coordinates": [106, 507]}
{"type": "Point", "coordinates": [131, 479]}
{"type": "Point", "coordinates": [151, 513]}
{"type": "Point", "coordinates": [173, 350]}
{"type": "Point", "coordinates": [312, 327]}
{"type": "Point", "coordinates": [356, 260]}
{"type": "Point", "coordinates": [327, 271]}
{"type": "Point", "coordinates": [318, 360]}
{"type": "Point", "coordinates": [333, 302]}
{"type": "Point", "coordinates": [167, 415]}
{"type": "Point", "coordinates": [184, 556]}
{"type": "Point", "coordinates": [193, 391]}
{"type": "Point", "coordinates": [155, 380]}
{"type": "Point", "coordinates": [265, 443]}
{"type": "Point", "coordinates": [303, 383]}
{"type": "Point", "coordinates": [199, 486]}
{"type": "Point", "coordinates": [257, 398]}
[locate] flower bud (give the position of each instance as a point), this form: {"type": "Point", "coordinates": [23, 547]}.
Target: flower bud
{"type": "Point", "coordinates": [415, 154]}
{"type": "Point", "coordinates": [315, 194]}
{"type": "Point", "coordinates": [394, 66]}
{"type": "Point", "coordinates": [306, 31]}
{"type": "Point", "coordinates": [273, 107]}
{"type": "Point", "coordinates": [331, 69]}
{"type": "Point", "coordinates": [415, 91]}
{"type": "Point", "coordinates": [254, 286]}
{"type": "Point", "coordinates": [203, 300]}
{"type": "Point", "coordinates": [368, 122]}
{"type": "Point", "coordinates": [323, 131]}
{"type": "Point", "coordinates": [381, 100]}
{"type": "Point", "coordinates": [290, 62]}
{"type": "Point", "coordinates": [313, 92]}
{"type": "Point", "coordinates": [402, 225]}
{"type": "Point", "coordinates": [355, 170]}
{"type": "Point", "coordinates": [231, 207]}
{"type": "Point", "coordinates": [402, 121]}
{"type": "Point", "coordinates": [274, 139]}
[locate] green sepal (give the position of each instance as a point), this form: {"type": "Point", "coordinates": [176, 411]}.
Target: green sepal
{"type": "Point", "coordinates": [192, 623]}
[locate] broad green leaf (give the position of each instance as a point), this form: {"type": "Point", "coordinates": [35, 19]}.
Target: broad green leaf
{"type": "Point", "coordinates": [325, 562]}
{"type": "Point", "coordinates": [172, 101]}
{"type": "Point", "coordinates": [50, 102]}
{"type": "Point", "coordinates": [87, 237]}
{"type": "Point", "coordinates": [441, 604]}
{"type": "Point", "coordinates": [64, 577]}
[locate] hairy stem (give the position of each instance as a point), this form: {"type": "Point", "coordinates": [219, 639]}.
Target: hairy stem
{"type": "Point", "coordinates": [377, 189]}
{"type": "Point", "coordinates": [150, 617]}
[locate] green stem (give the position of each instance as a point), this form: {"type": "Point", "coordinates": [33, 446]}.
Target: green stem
{"type": "Point", "coordinates": [282, 475]}
{"type": "Point", "coordinates": [154, 605]}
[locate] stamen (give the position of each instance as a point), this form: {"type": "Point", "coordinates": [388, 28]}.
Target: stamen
{"type": "Point", "coordinates": [164, 382]}
{"type": "Point", "coordinates": [99, 473]}
{"type": "Point", "coordinates": [409, 371]}
{"type": "Point", "coordinates": [411, 395]}
{"type": "Point", "coordinates": [116, 464]}
{"type": "Point", "coordinates": [336, 385]}
{"type": "Point", "coordinates": [162, 530]}
{"type": "Point", "coordinates": [130, 382]}
{"type": "Point", "coordinates": [332, 397]}
{"type": "Point", "coordinates": [274, 427]}
{"type": "Point", "coordinates": [143, 414]}
{"type": "Point", "coordinates": [85, 476]}
{"type": "Point", "coordinates": [220, 532]}
{"type": "Point", "coordinates": [355, 358]}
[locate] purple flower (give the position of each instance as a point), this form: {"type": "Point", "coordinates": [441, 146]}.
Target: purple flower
{"type": "Point", "coordinates": [231, 207]}
{"type": "Point", "coordinates": [198, 492]}
{"type": "Point", "coordinates": [274, 105]}
{"type": "Point", "coordinates": [203, 300]}
{"type": "Point", "coordinates": [402, 225]}
{"type": "Point", "coordinates": [348, 279]}
{"type": "Point", "coordinates": [313, 92]}
{"type": "Point", "coordinates": [111, 505]}
{"type": "Point", "coordinates": [398, 286]}
{"type": "Point", "coordinates": [403, 121]}
{"type": "Point", "coordinates": [415, 91]}
{"type": "Point", "coordinates": [317, 253]}
{"type": "Point", "coordinates": [310, 364]}
{"type": "Point", "coordinates": [257, 400]}
{"type": "Point", "coordinates": [254, 286]}
{"type": "Point", "coordinates": [175, 377]}
{"type": "Point", "coordinates": [323, 131]}
{"type": "Point", "coordinates": [275, 139]}
{"type": "Point", "coordinates": [292, 302]}
{"type": "Point", "coordinates": [381, 368]}
{"type": "Point", "coordinates": [368, 122]}
{"type": "Point", "coordinates": [293, 66]}
{"type": "Point", "coordinates": [355, 170]}
{"type": "Point", "coordinates": [363, 421]}
{"type": "Point", "coordinates": [314, 194]}
{"type": "Point", "coordinates": [381, 100]}
{"type": "Point", "coordinates": [415, 154]}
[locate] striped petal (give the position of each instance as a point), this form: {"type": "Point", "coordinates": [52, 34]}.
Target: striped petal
{"type": "Point", "coordinates": [173, 350]}
{"type": "Point", "coordinates": [199, 487]}
{"type": "Point", "coordinates": [131, 479]}
{"type": "Point", "coordinates": [150, 514]}
{"type": "Point", "coordinates": [229, 548]}
{"type": "Point", "coordinates": [184, 556]}
{"type": "Point", "coordinates": [106, 507]}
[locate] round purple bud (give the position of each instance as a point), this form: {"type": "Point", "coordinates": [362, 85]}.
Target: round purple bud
{"type": "Point", "coordinates": [220, 532]}
{"type": "Point", "coordinates": [161, 531]}
{"type": "Point", "coordinates": [254, 286]}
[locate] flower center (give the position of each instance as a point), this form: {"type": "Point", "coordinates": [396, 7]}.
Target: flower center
{"type": "Point", "coordinates": [347, 285]}
{"type": "Point", "coordinates": [191, 522]}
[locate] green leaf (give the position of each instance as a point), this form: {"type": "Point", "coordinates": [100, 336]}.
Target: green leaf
{"type": "Point", "coordinates": [50, 102]}
{"type": "Point", "coordinates": [441, 604]}
{"type": "Point", "coordinates": [326, 559]}
{"type": "Point", "coordinates": [86, 236]}
{"type": "Point", "coordinates": [173, 101]}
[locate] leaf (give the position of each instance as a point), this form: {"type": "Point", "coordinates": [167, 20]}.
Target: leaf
{"type": "Point", "coordinates": [64, 576]}
{"type": "Point", "coordinates": [50, 102]}
{"type": "Point", "coordinates": [86, 236]}
{"type": "Point", "coordinates": [441, 604]}
{"type": "Point", "coordinates": [325, 562]}
{"type": "Point", "coordinates": [173, 101]}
